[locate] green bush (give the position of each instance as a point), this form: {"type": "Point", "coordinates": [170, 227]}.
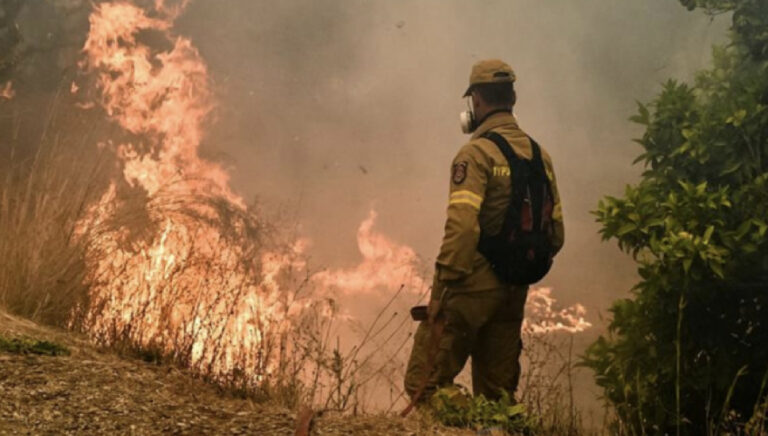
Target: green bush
{"type": "Point", "coordinates": [32, 346]}
{"type": "Point", "coordinates": [454, 406]}
{"type": "Point", "coordinates": [688, 353]}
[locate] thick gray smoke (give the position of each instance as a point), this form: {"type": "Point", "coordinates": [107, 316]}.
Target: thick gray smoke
{"type": "Point", "coordinates": [330, 108]}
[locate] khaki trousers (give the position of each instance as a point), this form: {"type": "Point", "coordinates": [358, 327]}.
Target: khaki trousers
{"type": "Point", "coordinates": [482, 324]}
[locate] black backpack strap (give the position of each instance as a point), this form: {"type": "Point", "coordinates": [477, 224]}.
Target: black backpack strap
{"type": "Point", "coordinates": [536, 148]}
{"type": "Point", "coordinates": [537, 183]}
{"type": "Point", "coordinates": [503, 146]}
{"type": "Point", "coordinates": [518, 167]}
{"type": "Point", "coordinates": [519, 171]}
{"type": "Point", "coordinates": [537, 166]}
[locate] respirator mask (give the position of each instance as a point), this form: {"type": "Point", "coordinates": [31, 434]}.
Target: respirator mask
{"type": "Point", "coordinates": [467, 118]}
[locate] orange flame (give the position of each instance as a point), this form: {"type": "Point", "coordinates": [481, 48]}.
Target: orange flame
{"type": "Point", "coordinates": [384, 264]}
{"type": "Point", "coordinates": [7, 92]}
{"type": "Point", "coordinates": [387, 265]}
{"type": "Point", "coordinates": [186, 281]}
{"type": "Point", "coordinates": [163, 96]}
{"type": "Point", "coordinates": [542, 317]}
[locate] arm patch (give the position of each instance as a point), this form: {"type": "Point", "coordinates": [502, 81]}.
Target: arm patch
{"type": "Point", "coordinates": [459, 173]}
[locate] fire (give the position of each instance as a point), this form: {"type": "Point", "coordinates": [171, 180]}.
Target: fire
{"type": "Point", "coordinates": [163, 96]}
{"type": "Point", "coordinates": [384, 263]}
{"type": "Point", "coordinates": [7, 92]}
{"type": "Point", "coordinates": [176, 261]}
{"type": "Point", "coordinates": [542, 317]}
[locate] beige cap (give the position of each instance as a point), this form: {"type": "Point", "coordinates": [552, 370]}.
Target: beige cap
{"type": "Point", "coordinates": [490, 71]}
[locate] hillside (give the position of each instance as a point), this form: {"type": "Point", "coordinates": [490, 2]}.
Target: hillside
{"type": "Point", "coordinates": [92, 391]}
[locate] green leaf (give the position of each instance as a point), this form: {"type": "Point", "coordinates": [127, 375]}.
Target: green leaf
{"type": "Point", "coordinates": [499, 417]}
{"type": "Point", "coordinates": [761, 227]}
{"type": "Point", "coordinates": [517, 409]}
{"type": "Point", "coordinates": [731, 169]}
{"type": "Point", "coordinates": [708, 234]}
{"type": "Point", "coordinates": [737, 118]}
{"type": "Point", "coordinates": [626, 228]}
{"type": "Point", "coordinates": [687, 264]}
{"type": "Point", "coordinates": [743, 229]}
{"type": "Point", "coordinates": [717, 269]}
{"type": "Point", "coordinates": [643, 116]}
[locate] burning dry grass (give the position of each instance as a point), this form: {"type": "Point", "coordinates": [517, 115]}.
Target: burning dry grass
{"type": "Point", "coordinates": [178, 265]}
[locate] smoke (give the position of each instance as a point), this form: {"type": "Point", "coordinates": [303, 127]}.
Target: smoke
{"type": "Point", "coordinates": [329, 108]}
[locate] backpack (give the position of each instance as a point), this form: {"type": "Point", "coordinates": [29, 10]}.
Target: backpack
{"type": "Point", "coordinates": [522, 253]}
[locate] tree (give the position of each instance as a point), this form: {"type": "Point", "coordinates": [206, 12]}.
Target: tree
{"type": "Point", "coordinates": [688, 353]}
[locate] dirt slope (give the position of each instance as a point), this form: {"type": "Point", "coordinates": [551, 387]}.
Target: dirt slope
{"type": "Point", "coordinates": [95, 392]}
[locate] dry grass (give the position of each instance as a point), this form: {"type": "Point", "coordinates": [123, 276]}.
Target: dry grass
{"type": "Point", "coordinates": [93, 391]}
{"type": "Point", "coordinates": [45, 184]}
{"type": "Point", "coordinates": [546, 385]}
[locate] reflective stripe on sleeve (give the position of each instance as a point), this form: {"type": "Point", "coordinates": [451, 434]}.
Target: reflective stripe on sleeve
{"type": "Point", "coordinates": [557, 213]}
{"type": "Point", "coordinates": [466, 197]}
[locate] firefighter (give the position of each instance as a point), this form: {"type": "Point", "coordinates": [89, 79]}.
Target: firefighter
{"type": "Point", "coordinates": [472, 312]}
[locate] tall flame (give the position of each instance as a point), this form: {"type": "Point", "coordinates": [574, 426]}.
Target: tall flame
{"type": "Point", "coordinates": [174, 257]}
{"type": "Point", "coordinates": [163, 96]}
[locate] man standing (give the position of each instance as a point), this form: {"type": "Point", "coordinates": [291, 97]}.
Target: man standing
{"type": "Point", "coordinates": [472, 311]}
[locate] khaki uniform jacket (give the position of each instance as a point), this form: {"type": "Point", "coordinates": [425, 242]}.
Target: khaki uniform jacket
{"type": "Point", "coordinates": [479, 197]}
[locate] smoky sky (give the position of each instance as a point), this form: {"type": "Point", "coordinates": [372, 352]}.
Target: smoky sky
{"type": "Point", "coordinates": [330, 108]}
